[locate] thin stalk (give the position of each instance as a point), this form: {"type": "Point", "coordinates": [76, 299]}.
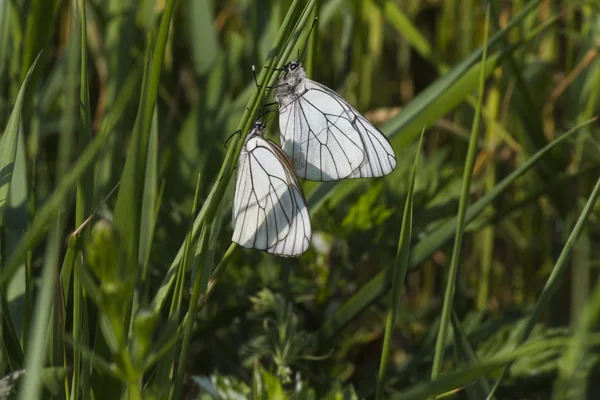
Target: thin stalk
{"type": "Point", "coordinates": [398, 275]}
{"type": "Point", "coordinates": [572, 368]}
{"type": "Point", "coordinates": [460, 224]}
{"type": "Point", "coordinates": [312, 52]}
{"type": "Point", "coordinates": [488, 234]}
{"type": "Point", "coordinates": [36, 350]}
{"type": "Point", "coordinates": [199, 287]}
{"type": "Point", "coordinates": [85, 191]}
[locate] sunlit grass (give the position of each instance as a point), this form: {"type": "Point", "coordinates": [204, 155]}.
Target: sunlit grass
{"type": "Point", "coordinates": [150, 299]}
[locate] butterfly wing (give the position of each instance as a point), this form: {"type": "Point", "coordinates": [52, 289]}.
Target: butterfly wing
{"type": "Point", "coordinates": [317, 134]}
{"type": "Point", "coordinates": [379, 156]}
{"type": "Point", "coordinates": [269, 209]}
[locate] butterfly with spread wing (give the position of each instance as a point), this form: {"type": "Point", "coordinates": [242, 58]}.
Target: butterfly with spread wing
{"type": "Point", "coordinates": [269, 209]}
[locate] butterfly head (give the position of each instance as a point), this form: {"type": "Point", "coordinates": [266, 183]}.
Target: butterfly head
{"type": "Point", "coordinates": [292, 66]}
{"type": "Point", "coordinates": [259, 128]}
{"type": "Point", "coordinates": [293, 75]}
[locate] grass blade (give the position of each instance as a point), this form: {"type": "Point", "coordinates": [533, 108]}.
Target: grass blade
{"type": "Point", "coordinates": [129, 200]}
{"type": "Point", "coordinates": [205, 266]}
{"type": "Point", "coordinates": [466, 353]}
{"type": "Point", "coordinates": [36, 346]}
{"type": "Point", "coordinates": [43, 215]}
{"type": "Point", "coordinates": [8, 143]}
{"type": "Point", "coordinates": [573, 367]}
{"type": "Point", "coordinates": [398, 273]}
{"type": "Point", "coordinates": [83, 207]}
{"type": "Point", "coordinates": [460, 226]}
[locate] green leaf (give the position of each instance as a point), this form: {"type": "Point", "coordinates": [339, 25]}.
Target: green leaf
{"type": "Point", "coordinates": [272, 388]}
{"type": "Point", "coordinates": [398, 273]}
{"type": "Point", "coordinates": [465, 353]}
{"type": "Point", "coordinates": [8, 143]}
{"type": "Point", "coordinates": [36, 346]}
{"type": "Point", "coordinates": [16, 221]}
{"type": "Point", "coordinates": [462, 212]}
{"type": "Point", "coordinates": [204, 46]}
{"type": "Point", "coordinates": [129, 199]}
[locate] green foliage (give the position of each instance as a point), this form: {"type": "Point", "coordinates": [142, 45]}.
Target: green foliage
{"type": "Point", "coordinates": [118, 277]}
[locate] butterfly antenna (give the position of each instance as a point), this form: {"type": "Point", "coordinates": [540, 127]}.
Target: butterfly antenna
{"type": "Point", "coordinates": [307, 37]}
{"type": "Point", "coordinates": [256, 80]}
{"type": "Point", "coordinates": [266, 112]}
{"type": "Point", "coordinates": [232, 135]}
{"type": "Point", "coordinates": [262, 106]}
{"type": "Point", "coordinates": [254, 75]}
{"type": "Point", "coordinates": [275, 69]}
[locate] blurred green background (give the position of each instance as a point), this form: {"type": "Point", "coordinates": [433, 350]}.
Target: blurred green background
{"type": "Point", "coordinates": [149, 299]}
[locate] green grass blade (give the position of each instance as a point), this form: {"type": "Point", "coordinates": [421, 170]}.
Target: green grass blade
{"type": "Point", "coordinates": [466, 353]}
{"type": "Point", "coordinates": [148, 212]}
{"type": "Point", "coordinates": [4, 36]}
{"type": "Point", "coordinates": [36, 346]}
{"type": "Point", "coordinates": [119, 38]}
{"type": "Point", "coordinates": [39, 29]}
{"type": "Point", "coordinates": [18, 291]}
{"type": "Point", "coordinates": [85, 187]}
{"type": "Point", "coordinates": [205, 46]}
{"type": "Point", "coordinates": [460, 226]}
{"type": "Point", "coordinates": [573, 367]}
{"type": "Point", "coordinates": [398, 273]}
{"type": "Point", "coordinates": [83, 207]}
{"type": "Point", "coordinates": [67, 137]}
{"type": "Point", "coordinates": [554, 281]}
{"type": "Point", "coordinates": [166, 364]}
{"type": "Point", "coordinates": [12, 351]}
{"type": "Point", "coordinates": [43, 215]}
{"type": "Point", "coordinates": [378, 285]}
{"type": "Point", "coordinates": [8, 143]}
{"type": "Point", "coordinates": [12, 198]}
{"type": "Point", "coordinates": [403, 24]}
{"type": "Point", "coordinates": [129, 199]}
{"type": "Point", "coordinates": [205, 265]}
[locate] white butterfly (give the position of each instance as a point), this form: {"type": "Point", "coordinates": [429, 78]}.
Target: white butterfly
{"type": "Point", "coordinates": [324, 136]}
{"type": "Point", "coordinates": [269, 209]}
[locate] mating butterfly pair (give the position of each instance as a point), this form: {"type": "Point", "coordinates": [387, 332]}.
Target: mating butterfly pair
{"type": "Point", "coordinates": [323, 138]}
